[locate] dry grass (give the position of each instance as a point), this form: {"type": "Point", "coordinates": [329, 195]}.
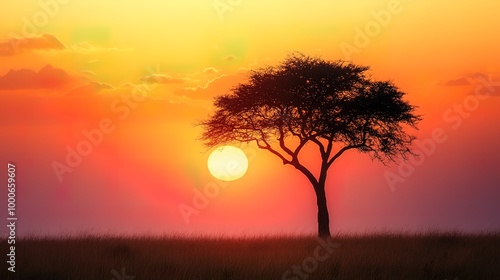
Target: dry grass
{"type": "Point", "coordinates": [377, 256]}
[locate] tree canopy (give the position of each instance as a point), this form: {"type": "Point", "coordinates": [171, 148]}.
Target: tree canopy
{"type": "Point", "coordinates": [317, 101]}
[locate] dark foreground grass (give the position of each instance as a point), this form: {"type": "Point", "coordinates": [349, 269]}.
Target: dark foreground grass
{"type": "Point", "coordinates": [379, 256]}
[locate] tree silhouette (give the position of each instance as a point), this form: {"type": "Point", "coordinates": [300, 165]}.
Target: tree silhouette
{"type": "Point", "coordinates": [305, 100]}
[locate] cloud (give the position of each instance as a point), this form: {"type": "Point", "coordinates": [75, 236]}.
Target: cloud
{"type": "Point", "coordinates": [214, 87]}
{"type": "Point", "coordinates": [48, 44]}
{"type": "Point", "coordinates": [16, 45]}
{"type": "Point", "coordinates": [457, 82]}
{"type": "Point", "coordinates": [245, 70]}
{"type": "Point", "coordinates": [89, 88]}
{"type": "Point", "coordinates": [229, 58]}
{"type": "Point", "coordinates": [162, 79]}
{"type": "Point", "coordinates": [466, 80]}
{"type": "Point", "coordinates": [88, 72]}
{"type": "Point", "coordinates": [47, 77]}
{"type": "Point", "coordinates": [210, 70]}
{"type": "Point", "coordinates": [476, 82]}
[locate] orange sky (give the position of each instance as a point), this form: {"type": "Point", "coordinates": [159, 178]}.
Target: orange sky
{"type": "Point", "coordinates": [181, 54]}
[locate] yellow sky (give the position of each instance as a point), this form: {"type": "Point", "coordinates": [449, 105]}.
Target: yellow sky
{"type": "Point", "coordinates": [187, 36]}
{"type": "Point", "coordinates": [184, 37]}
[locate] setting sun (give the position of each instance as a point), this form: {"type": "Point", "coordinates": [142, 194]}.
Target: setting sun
{"type": "Point", "coordinates": [227, 163]}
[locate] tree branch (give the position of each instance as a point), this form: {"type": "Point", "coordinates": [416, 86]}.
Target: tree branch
{"type": "Point", "coordinates": [320, 145]}
{"type": "Point", "coordinates": [295, 162]}
{"type": "Point", "coordinates": [281, 139]}
{"type": "Point", "coordinates": [273, 151]}
{"type": "Point", "coordinates": [341, 151]}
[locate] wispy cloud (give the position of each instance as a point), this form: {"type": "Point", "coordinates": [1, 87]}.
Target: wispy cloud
{"type": "Point", "coordinates": [210, 70]}
{"type": "Point", "coordinates": [47, 77]}
{"type": "Point", "coordinates": [476, 82]}
{"type": "Point", "coordinates": [465, 80]}
{"type": "Point", "coordinates": [229, 58]}
{"type": "Point", "coordinates": [15, 45]}
{"type": "Point", "coordinates": [48, 44]}
{"type": "Point", "coordinates": [213, 87]}
{"type": "Point", "coordinates": [89, 88]}
{"type": "Point", "coordinates": [163, 79]}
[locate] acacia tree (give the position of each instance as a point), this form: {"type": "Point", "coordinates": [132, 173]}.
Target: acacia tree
{"type": "Point", "coordinates": [333, 105]}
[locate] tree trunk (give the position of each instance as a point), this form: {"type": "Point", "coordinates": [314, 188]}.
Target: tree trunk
{"type": "Point", "coordinates": [323, 216]}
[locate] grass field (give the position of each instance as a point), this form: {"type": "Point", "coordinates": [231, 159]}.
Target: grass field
{"type": "Point", "coordinates": [378, 256]}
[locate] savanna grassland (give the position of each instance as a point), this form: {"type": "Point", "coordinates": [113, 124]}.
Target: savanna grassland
{"type": "Point", "coordinates": [374, 256]}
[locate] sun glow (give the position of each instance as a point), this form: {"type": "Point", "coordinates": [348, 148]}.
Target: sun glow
{"type": "Point", "coordinates": [227, 163]}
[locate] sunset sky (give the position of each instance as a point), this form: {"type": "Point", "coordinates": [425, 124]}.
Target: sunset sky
{"type": "Point", "coordinates": [67, 66]}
